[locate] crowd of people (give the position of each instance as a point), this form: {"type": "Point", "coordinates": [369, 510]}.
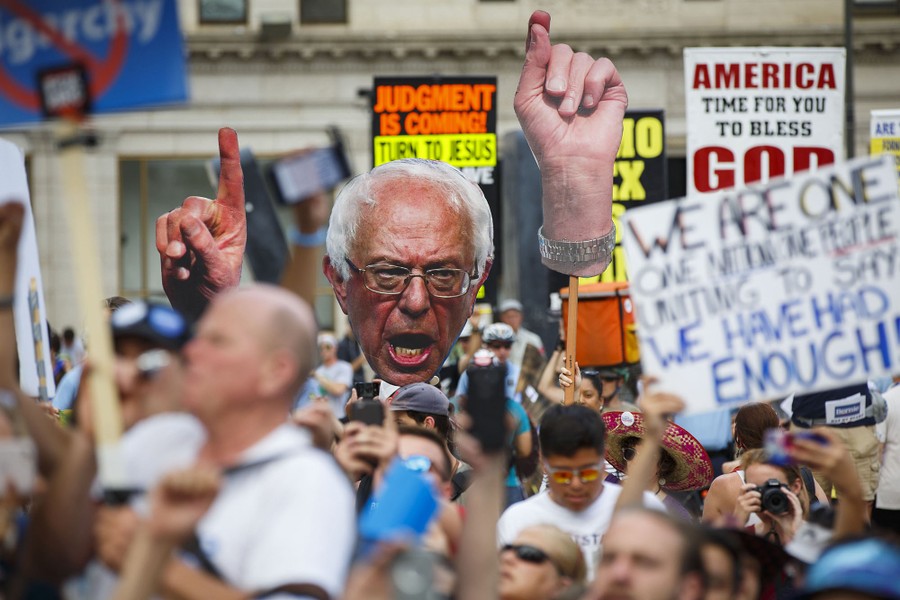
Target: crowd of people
{"type": "Point", "coordinates": [255, 468]}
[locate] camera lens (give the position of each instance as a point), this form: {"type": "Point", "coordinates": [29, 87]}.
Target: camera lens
{"type": "Point", "coordinates": [775, 501]}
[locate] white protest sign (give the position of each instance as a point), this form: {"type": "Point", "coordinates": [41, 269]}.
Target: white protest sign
{"type": "Point", "coordinates": [754, 114]}
{"type": "Point", "coordinates": [36, 379]}
{"type": "Point", "coordinates": [759, 293]}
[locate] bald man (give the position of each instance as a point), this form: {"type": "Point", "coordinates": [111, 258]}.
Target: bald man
{"type": "Point", "coordinates": [283, 523]}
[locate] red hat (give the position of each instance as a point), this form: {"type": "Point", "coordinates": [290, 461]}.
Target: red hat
{"type": "Point", "coordinates": [693, 469]}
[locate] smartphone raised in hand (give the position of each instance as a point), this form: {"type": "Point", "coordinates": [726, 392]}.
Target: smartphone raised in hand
{"type": "Point", "coordinates": [370, 412]}
{"type": "Point", "coordinates": [486, 404]}
{"type": "Point", "coordinates": [366, 390]}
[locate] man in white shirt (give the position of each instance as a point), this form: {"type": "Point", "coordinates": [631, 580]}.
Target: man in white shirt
{"type": "Point", "coordinates": [334, 376]}
{"type": "Point", "coordinates": [283, 524]}
{"type": "Point", "coordinates": [886, 512]}
{"type": "Point", "coordinates": [577, 499]}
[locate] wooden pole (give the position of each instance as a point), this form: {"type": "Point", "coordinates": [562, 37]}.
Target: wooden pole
{"type": "Point", "coordinates": [571, 334]}
{"type": "Point", "coordinates": [99, 377]}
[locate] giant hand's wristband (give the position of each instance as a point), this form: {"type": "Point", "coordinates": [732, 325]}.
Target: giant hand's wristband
{"type": "Point", "coordinates": [567, 257]}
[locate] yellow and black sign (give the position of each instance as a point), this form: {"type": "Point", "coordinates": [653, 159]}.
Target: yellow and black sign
{"type": "Point", "coordinates": [639, 176]}
{"type": "Point", "coordinates": [452, 119]}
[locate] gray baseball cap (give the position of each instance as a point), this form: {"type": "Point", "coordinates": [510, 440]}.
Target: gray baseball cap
{"type": "Point", "coordinates": [421, 397]}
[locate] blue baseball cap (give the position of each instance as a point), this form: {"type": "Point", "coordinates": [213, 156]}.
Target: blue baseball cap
{"type": "Point", "coordinates": [156, 323]}
{"type": "Point", "coordinates": [869, 566]}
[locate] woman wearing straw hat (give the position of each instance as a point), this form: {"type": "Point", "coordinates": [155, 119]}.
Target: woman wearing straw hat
{"type": "Point", "coordinates": [683, 465]}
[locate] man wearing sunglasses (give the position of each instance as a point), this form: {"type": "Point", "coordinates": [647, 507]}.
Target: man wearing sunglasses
{"type": "Point", "coordinates": [577, 500]}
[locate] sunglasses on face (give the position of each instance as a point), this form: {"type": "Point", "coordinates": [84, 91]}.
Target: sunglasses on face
{"type": "Point", "coordinates": [527, 553]}
{"type": "Point", "coordinates": [498, 345]}
{"type": "Point", "coordinates": [417, 463]}
{"type": "Point", "coordinates": [151, 362]}
{"type": "Point", "coordinates": [564, 476]}
{"type": "Point", "coordinates": [595, 373]}
{"type": "Point", "coordinates": [629, 453]}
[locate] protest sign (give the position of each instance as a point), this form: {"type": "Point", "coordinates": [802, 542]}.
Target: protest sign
{"type": "Point", "coordinates": [884, 134]}
{"type": "Point", "coordinates": [131, 51]}
{"type": "Point", "coordinates": [758, 113]}
{"type": "Point", "coordinates": [784, 287]}
{"type": "Point", "coordinates": [451, 119]}
{"type": "Point", "coordinates": [32, 335]}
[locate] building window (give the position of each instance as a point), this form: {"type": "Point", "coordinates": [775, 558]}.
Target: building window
{"type": "Point", "coordinates": [223, 11]}
{"type": "Point", "coordinates": [319, 12]}
{"type": "Point", "coordinates": [866, 8]}
{"type": "Point", "coordinates": [150, 187]}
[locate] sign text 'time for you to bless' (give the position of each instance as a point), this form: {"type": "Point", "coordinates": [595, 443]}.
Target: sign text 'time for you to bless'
{"type": "Point", "coordinates": [754, 114]}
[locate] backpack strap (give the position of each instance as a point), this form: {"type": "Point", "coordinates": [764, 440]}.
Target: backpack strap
{"type": "Point", "coordinates": [192, 545]}
{"type": "Point", "coordinates": [810, 482]}
{"type": "Point", "coordinates": [460, 481]}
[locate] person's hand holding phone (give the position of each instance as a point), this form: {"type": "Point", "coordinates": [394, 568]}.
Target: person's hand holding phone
{"type": "Point", "coordinates": [367, 447]}
{"type": "Point", "coordinates": [823, 451]}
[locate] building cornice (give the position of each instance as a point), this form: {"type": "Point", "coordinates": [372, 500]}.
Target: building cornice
{"type": "Point", "coordinates": [874, 37]}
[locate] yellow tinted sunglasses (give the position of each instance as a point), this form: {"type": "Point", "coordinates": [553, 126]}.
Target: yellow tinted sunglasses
{"type": "Point", "coordinates": [564, 476]}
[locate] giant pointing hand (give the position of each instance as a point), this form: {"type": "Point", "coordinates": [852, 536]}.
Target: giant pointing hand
{"type": "Point", "coordinates": [571, 107]}
{"type": "Point", "coordinates": [201, 245]}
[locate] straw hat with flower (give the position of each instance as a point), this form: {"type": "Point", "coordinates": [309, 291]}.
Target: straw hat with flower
{"type": "Point", "coordinates": [692, 468]}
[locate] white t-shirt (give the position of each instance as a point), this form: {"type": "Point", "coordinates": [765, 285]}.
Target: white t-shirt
{"type": "Point", "coordinates": [289, 520]}
{"type": "Point", "coordinates": [888, 493]}
{"type": "Point", "coordinates": [339, 372]}
{"type": "Point", "coordinates": [586, 527]}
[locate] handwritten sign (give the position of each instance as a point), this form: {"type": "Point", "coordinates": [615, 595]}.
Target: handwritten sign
{"type": "Point", "coordinates": [754, 114]}
{"type": "Point", "coordinates": [785, 287]}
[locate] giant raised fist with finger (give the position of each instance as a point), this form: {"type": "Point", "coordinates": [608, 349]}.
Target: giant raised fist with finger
{"type": "Point", "coordinates": [201, 245]}
{"type": "Point", "coordinates": [571, 107]}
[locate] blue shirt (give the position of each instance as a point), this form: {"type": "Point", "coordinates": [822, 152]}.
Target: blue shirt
{"type": "Point", "coordinates": [67, 389]}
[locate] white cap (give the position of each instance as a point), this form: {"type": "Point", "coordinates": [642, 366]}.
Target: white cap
{"type": "Point", "coordinates": [510, 304]}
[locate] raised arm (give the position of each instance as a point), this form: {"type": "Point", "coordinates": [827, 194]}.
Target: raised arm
{"type": "Point", "coordinates": [656, 409]}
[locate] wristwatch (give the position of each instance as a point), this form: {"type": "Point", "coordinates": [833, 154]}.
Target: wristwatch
{"type": "Point", "coordinates": [563, 256]}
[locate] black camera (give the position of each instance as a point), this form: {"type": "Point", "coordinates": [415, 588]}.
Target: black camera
{"type": "Point", "coordinates": [774, 499]}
